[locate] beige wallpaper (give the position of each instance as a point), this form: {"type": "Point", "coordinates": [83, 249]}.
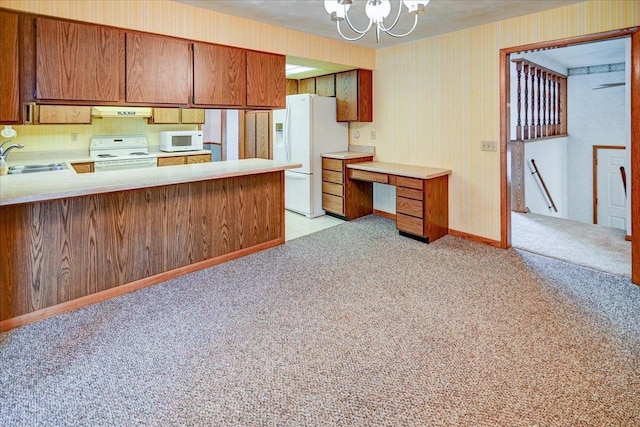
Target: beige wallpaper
{"type": "Point", "coordinates": [437, 98]}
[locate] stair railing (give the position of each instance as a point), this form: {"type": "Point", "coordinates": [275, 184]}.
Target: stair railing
{"type": "Point", "coordinates": [541, 99]}
{"type": "Point", "coordinates": [546, 193]}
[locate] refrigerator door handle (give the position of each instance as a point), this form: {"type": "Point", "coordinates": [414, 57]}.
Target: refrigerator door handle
{"type": "Point", "coordinates": [296, 175]}
{"type": "Point", "coordinates": [286, 137]}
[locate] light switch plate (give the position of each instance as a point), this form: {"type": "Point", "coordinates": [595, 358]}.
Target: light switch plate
{"type": "Point", "coordinates": [488, 146]}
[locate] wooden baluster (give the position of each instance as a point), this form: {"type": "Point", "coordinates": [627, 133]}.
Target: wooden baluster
{"type": "Point", "coordinates": [562, 113]}
{"type": "Point", "coordinates": [543, 131]}
{"type": "Point", "coordinates": [552, 104]}
{"type": "Point", "coordinates": [532, 101]}
{"type": "Point", "coordinates": [526, 102]}
{"type": "Point", "coordinates": [519, 96]}
{"type": "Point", "coordinates": [539, 124]}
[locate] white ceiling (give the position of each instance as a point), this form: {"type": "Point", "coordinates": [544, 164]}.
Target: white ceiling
{"type": "Point", "coordinates": [441, 16]}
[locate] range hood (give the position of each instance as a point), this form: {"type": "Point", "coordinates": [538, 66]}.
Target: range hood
{"type": "Point", "coordinates": [121, 112]}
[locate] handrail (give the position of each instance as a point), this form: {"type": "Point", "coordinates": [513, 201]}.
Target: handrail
{"type": "Point", "coordinates": [541, 99]}
{"type": "Point", "coordinates": [544, 186]}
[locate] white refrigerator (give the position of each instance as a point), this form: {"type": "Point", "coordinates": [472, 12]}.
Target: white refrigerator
{"type": "Point", "coordinates": [301, 133]}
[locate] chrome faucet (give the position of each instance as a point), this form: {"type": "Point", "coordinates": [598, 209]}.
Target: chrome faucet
{"type": "Point", "coordinates": [3, 143]}
{"type": "Point", "coordinates": [4, 152]}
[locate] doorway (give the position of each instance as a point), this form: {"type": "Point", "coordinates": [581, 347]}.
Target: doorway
{"type": "Point", "coordinates": [505, 155]}
{"type": "Point", "coordinates": [609, 186]}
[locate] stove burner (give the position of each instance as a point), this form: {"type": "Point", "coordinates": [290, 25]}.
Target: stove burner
{"type": "Point", "coordinates": [106, 155]}
{"type": "Point", "coordinates": [139, 153]}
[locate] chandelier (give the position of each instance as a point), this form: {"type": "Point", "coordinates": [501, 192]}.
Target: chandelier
{"type": "Point", "coordinates": [377, 11]}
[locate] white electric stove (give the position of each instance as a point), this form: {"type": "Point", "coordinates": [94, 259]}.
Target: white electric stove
{"type": "Point", "coordinates": [118, 152]}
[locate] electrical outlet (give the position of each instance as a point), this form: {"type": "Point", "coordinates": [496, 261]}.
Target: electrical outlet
{"type": "Point", "coordinates": [74, 137]}
{"type": "Point", "coordinates": [373, 134]}
{"type": "Point", "coordinates": [488, 146]}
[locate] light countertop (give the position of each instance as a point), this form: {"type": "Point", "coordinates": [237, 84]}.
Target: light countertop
{"type": "Point", "coordinates": [41, 186]}
{"type": "Point", "coordinates": [410, 171]}
{"type": "Point", "coordinates": [347, 155]}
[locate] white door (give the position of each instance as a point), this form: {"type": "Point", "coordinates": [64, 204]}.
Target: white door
{"type": "Point", "coordinates": [298, 192]}
{"type": "Point", "coordinates": [611, 196]}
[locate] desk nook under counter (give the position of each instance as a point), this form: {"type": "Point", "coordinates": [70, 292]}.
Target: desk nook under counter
{"type": "Point", "coordinates": [422, 193]}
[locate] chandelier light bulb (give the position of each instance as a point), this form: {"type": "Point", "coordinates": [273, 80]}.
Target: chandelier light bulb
{"type": "Point", "coordinates": [377, 10]}
{"type": "Point", "coordinates": [416, 6]}
{"type": "Point", "coordinates": [336, 9]}
{"type": "Point", "coordinates": [331, 6]}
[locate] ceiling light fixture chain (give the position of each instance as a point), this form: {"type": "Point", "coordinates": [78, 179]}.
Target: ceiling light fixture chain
{"type": "Point", "coordinates": [376, 11]}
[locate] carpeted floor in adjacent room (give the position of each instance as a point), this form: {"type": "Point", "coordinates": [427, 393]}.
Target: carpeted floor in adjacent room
{"type": "Point", "coordinates": [353, 325]}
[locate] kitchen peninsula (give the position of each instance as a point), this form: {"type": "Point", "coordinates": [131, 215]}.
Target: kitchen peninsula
{"type": "Point", "coordinates": [68, 240]}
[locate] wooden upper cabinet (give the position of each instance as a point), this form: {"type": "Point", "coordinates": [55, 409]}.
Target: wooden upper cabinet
{"type": "Point", "coordinates": [78, 62]}
{"type": "Point", "coordinates": [64, 114]}
{"type": "Point", "coordinates": [219, 75]}
{"type": "Point", "coordinates": [354, 96]}
{"type": "Point", "coordinates": [266, 80]}
{"type": "Point", "coordinates": [158, 69]}
{"type": "Point", "coordinates": [292, 87]}
{"type": "Point", "coordinates": [9, 71]}
{"type": "Point", "coordinates": [307, 85]}
{"type": "Point", "coordinates": [326, 85]}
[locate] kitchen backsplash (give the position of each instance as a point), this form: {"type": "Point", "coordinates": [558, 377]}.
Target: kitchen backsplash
{"type": "Point", "coordinates": [78, 137]}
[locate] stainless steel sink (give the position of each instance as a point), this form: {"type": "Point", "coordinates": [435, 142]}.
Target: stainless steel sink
{"type": "Point", "coordinates": [15, 170]}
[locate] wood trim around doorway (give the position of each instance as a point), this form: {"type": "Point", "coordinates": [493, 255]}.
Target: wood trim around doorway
{"type": "Point", "coordinates": [505, 170]}
{"type": "Point", "coordinates": [635, 157]}
{"type": "Point", "coordinates": [595, 174]}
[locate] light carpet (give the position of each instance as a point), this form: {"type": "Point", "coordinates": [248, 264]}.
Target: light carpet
{"type": "Point", "coordinates": [593, 246]}
{"type": "Point", "coordinates": [353, 325]}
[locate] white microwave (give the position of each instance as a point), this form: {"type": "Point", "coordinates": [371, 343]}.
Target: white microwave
{"type": "Point", "coordinates": [181, 140]}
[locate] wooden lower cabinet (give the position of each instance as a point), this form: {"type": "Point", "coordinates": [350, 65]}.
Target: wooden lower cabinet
{"type": "Point", "coordinates": [84, 167]}
{"type": "Point", "coordinates": [422, 207]}
{"type": "Point", "coordinates": [184, 160]}
{"type": "Point", "coordinates": [61, 250]}
{"type": "Point", "coordinates": [341, 196]}
{"type": "Point", "coordinates": [198, 158]}
{"type": "Point", "coordinates": [258, 140]}
{"type": "Point", "coordinates": [172, 161]}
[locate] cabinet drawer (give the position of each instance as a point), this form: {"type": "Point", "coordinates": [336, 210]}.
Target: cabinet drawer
{"type": "Point", "coordinates": [409, 224]}
{"type": "Point", "coordinates": [198, 158]}
{"type": "Point", "coordinates": [369, 176]}
{"type": "Point", "coordinates": [332, 176]}
{"type": "Point", "coordinates": [403, 181]}
{"type": "Point", "coordinates": [170, 161]}
{"type": "Point", "coordinates": [409, 207]}
{"type": "Point", "coordinates": [332, 203]}
{"type": "Point", "coordinates": [332, 164]}
{"type": "Point", "coordinates": [331, 188]}
{"type": "Point", "coordinates": [409, 193]}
